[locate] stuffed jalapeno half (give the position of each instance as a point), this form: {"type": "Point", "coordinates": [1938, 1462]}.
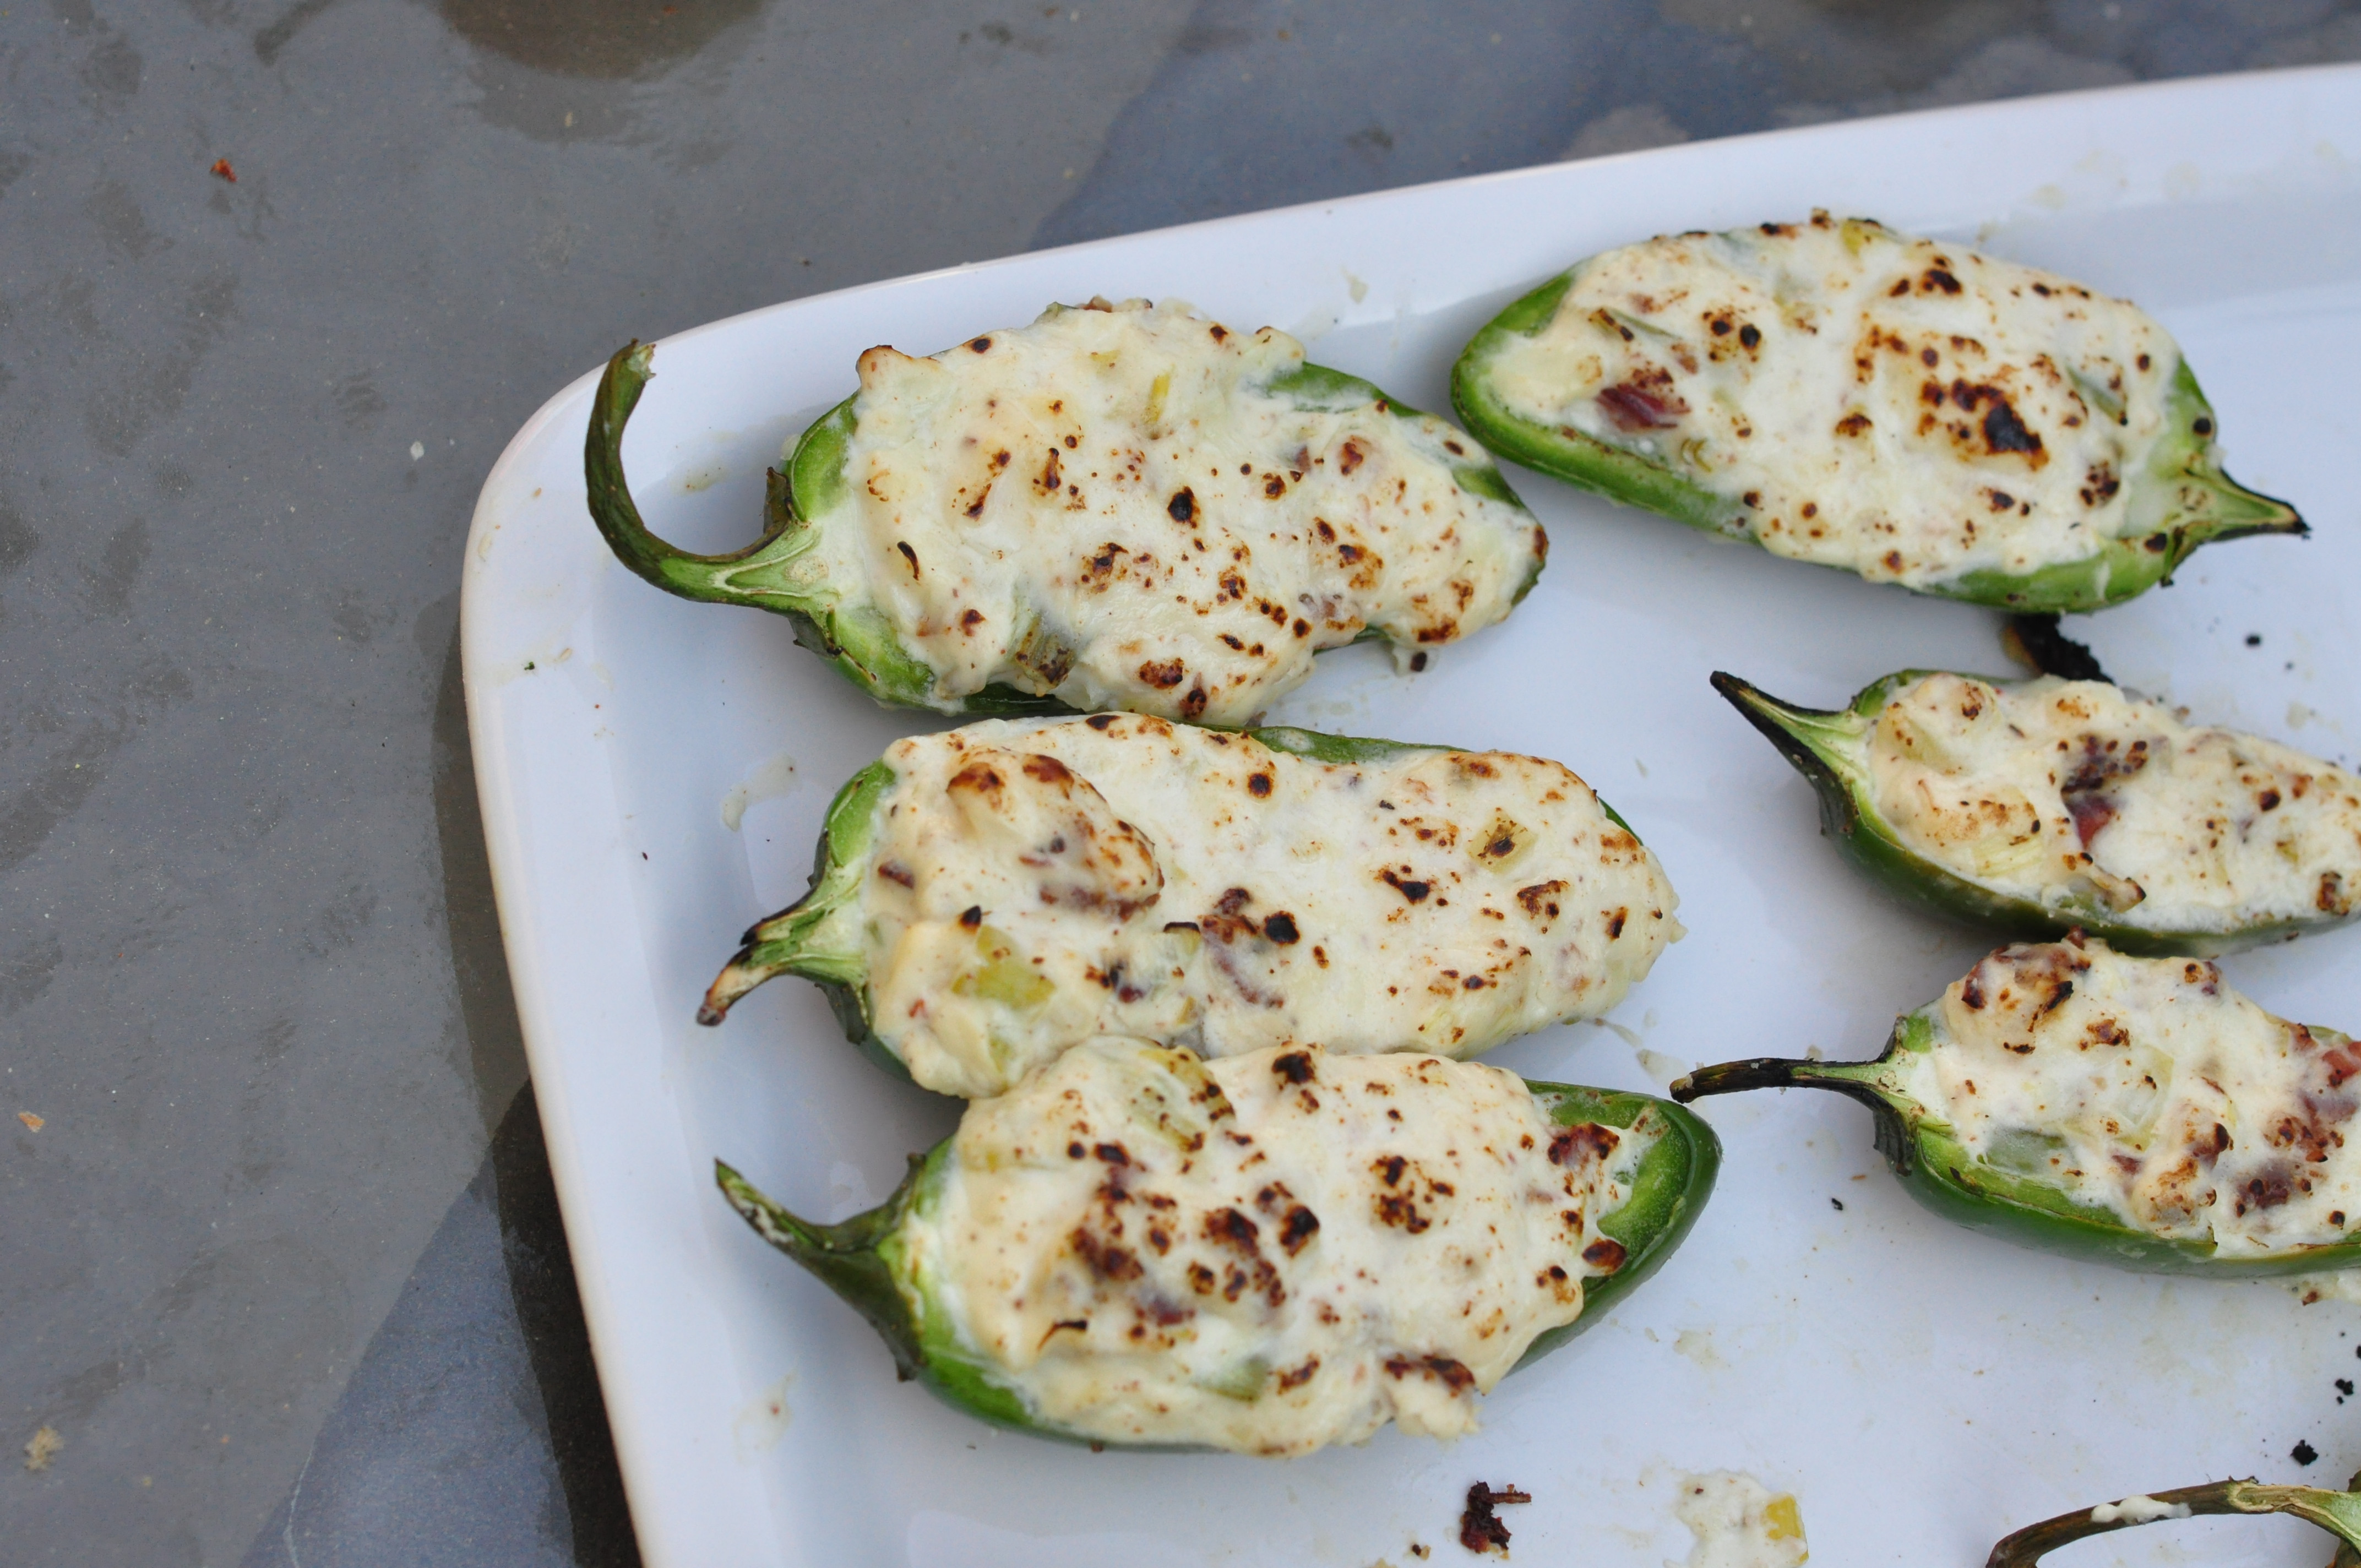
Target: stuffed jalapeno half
{"type": "Point", "coordinates": [1267, 1253]}
{"type": "Point", "coordinates": [1117, 506]}
{"type": "Point", "coordinates": [987, 896]}
{"type": "Point", "coordinates": [1899, 408]}
{"type": "Point", "coordinates": [2133, 1111]}
{"type": "Point", "coordinates": [2338, 1513]}
{"type": "Point", "coordinates": [2040, 806]}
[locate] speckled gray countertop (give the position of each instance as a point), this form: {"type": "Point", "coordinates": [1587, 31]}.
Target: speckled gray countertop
{"type": "Point", "coordinates": [282, 1279]}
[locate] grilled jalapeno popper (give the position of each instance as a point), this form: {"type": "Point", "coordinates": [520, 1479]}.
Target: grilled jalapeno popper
{"type": "Point", "coordinates": [1894, 407]}
{"type": "Point", "coordinates": [1266, 1254]}
{"type": "Point", "coordinates": [1123, 505]}
{"type": "Point", "coordinates": [2134, 1112]}
{"type": "Point", "coordinates": [988, 896]}
{"type": "Point", "coordinates": [2040, 806]}
{"type": "Point", "coordinates": [2338, 1513]}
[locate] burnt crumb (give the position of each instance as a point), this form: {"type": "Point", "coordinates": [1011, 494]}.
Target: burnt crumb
{"type": "Point", "coordinates": [1418, 661]}
{"type": "Point", "coordinates": [2034, 640]}
{"type": "Point", "coordinates": [2343, 1386]}
{"type": "Point", "coordinates": [2254, 638]}
{"type": "Point", "coordinates": [1838, 1204]}
{"type": "Point", "coordinates": [2303, 1453]}
{"type": "Point", "coordinates": [1480, 1529]}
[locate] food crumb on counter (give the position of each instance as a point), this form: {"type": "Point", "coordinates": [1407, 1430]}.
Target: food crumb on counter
{"type": "Point", "coordinates": [32, 1123]}
{"type": "Point", "coordinates": [1480, 1528]}
{"type": "Point", "coordinates": [1739, 1523]}
{"type": "Point", "coordinates": [2303, 1453]}
{"type": "Point", "coordinates": [44, 1445]}
{"type": "Point", "coordinates": [222, 170]}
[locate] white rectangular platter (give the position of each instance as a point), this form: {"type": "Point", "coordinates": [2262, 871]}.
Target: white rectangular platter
{"type": "Point", "coordinates": [653, 774]}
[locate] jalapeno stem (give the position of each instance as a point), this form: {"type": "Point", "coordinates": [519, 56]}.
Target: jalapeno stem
{"type": "Point", "coordinates": [818, 936]}
{"type": "Point", "coordinates": [2338, 1513]}
{"type": "Point", "coordinates": [1773, 1072]}
{"type": "Point", "coordinates": [764, 574]}
{"type": "Point", "coordinates": [844, 1256]}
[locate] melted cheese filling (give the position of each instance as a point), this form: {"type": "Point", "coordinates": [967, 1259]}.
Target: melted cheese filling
{"type": "Point", "coordinates": [1037, 882]}
{"type": "Point", "coordinates": [2149, 1088]}
{"type": "Point", "coordinates": [2072, 792]}
{"type": "Point", "coordinates": [1905, 409]}
{"type": "Point", "coordinates": [1267, 1253]}
{"type": "Point", "coordinates": [1108, 504]}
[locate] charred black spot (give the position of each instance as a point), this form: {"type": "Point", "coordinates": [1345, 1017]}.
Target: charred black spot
{"type": "Point", "coordinates": [1295, 1067]}
{"type": "Point", "coordinates": [971, 916]}
{"type": "Point", "coordinates": [1280, 929]}
{"type": "Point", "coordinates": [2004, 431]}
{"type": "Point", "coordinates": [1298, 1229]}
{"type": "Point", "coordinates": [1183, 506]}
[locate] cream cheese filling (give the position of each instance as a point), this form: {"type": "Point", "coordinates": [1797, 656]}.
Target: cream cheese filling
{"type": "Point", "coordinates": [1110, 505]}
{"type": "Point", "coordinates": [1269, 1253]}
{"type": "Point", "coordinates": [1900, 408]}
{"type": "Point", "coordinates": [2057, 790]}
{"type": "Point", "coordinates": [2149, 1088]}
{"type": "Point", "coordinates": [1037, 882]}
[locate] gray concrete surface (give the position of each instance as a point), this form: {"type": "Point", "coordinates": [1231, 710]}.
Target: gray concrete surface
{"type": "Point", "coordinates": [280, 1278]}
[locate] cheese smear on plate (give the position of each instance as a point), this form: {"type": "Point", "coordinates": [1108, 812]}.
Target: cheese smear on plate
{"type": "Point", "coordinates": [1901, 408]}
{"type": "Point", "coordinates": [1037, 882]}
{"type": "Point", "coordinates": [1114, 506]}
{"type": "Point", "coordinates": [2149, 1088]}
{"type": "Point", "coordinates": [1267, 1253]}
{"type": "Point", "coordinates": [2051, 790]}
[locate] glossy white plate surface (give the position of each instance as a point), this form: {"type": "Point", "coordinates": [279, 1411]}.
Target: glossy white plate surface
{"type": "Point", "coordinates": [653, 774]}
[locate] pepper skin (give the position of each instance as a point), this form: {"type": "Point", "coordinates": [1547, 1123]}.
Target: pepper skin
{"type": "Point", "coordinates": [2176, 496]}
{"type": "Point", "coordinates": [2338, 1513]}
{"type": "Point", "coordinates": [811, 562]}
{"type": "Point", "coordinates": [866, 1260]}
{"type": "Point", "coordinates": [1831, 749]}
{"type": "Point", "coordinates": [1938, 1170]}
{"type": "Point", "coordinates": [827, 936]}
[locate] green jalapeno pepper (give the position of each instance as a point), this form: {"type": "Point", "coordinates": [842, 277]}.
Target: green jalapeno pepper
{"type": "Point", "coordinates": [1842, 394]}
{"type": "Point", "coordinates": [1027, 532]}
{"type": "Point", "coordinates": [2084, 1175]}
{"type": "Point", "coordinates": [977, 900]}
{"type": "Point", "coordinates": [2338, 1513]}
{"type": "Point", "coordinates": [2014, 791]}
{"type": "Point", "coordinates": [1126, 1227]}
